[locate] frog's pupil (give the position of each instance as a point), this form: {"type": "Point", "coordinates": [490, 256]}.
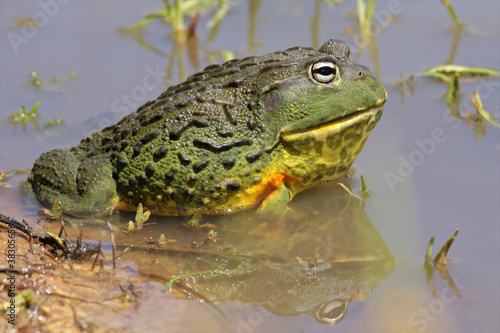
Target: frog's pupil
{"type": "Point", "coordinates": [325, 70]}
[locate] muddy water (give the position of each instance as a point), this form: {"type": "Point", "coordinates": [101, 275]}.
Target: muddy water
{"type": "Point", "coordinates": [429, 174]}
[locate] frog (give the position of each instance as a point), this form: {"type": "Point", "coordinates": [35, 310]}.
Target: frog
{"type": "Point", "coordinates": [247, 133]}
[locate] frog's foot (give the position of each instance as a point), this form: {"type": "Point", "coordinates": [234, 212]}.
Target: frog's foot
{"type": "Point", "coordinates": [273, 211]}
{"type": "Point", "coordinates": [84, 187]}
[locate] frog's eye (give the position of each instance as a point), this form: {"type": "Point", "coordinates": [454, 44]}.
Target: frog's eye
{"type": "Point", "coordinates": [324, 71]}
{"type": "Point", "coordinates": [331, 312]}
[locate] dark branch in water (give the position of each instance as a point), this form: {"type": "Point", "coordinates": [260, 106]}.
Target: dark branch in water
{"type": "Point", "coordinates": [59, 245]}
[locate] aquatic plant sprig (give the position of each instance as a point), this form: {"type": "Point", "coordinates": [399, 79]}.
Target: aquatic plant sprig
{"type": "Point", "coordinates": [402, 83]}
{"type": "Point", "coordinates": [365, 11]}
{"type": "Point", "coordinates": [452, 75]}
{"type": "Point", "coordinates": [349, 191]}
{"type": "Point", "coordinates": [480, 118]}
{"type": "Point", "coordinates": [141, 216]}
{"type": "Point", "coordinates": [38, 82]}
{"type": "Point", "coordinates": [365, 14]}
{"type": "Point", "coordinates": [185, 38]}
{"type": "Point", "coordinates": [488, 117]}
{"type": "Point", "coordinates": [24, 116]}
{"type": "Point", "coordinates": [174, 13]}
{"type": "Point", "coordinates": [55, 212]}
{"type": "Point", "coordinates": [453, 96]}
{"type": "Point", "coordinates": [54, 122]}
{"type": "Point", "coordinates": [4, 175]}
{"type": "Point", "coordinates": [364, 192]}
{"type": "Point", "coordinates": [162, 240]}
{"type": "Point", "coordinates": [440, 262]}
{"type": "Point", "coordinates": [450, 72]}
{"type": "Point", "coordinates": [452, 12]}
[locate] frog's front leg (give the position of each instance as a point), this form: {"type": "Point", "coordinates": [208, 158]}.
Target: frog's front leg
{"type": "Point", "coordinates": [273, 210]}
{"type": "Point", "coordinates": [274, 206]}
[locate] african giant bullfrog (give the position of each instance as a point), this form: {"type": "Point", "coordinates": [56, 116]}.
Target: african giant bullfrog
{"type": "Point", "coordinates": [249, 132]}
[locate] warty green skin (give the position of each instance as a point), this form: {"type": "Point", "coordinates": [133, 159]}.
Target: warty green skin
{"type": "Point", "coordinates": [209, 141]}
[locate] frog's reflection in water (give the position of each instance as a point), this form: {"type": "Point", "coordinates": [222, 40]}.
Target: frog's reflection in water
{"type": "Point", "coordinates": [316, 266]}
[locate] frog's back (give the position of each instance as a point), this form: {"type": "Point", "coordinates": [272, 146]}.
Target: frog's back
{"type": "Point", "coordinates": [199, 144]}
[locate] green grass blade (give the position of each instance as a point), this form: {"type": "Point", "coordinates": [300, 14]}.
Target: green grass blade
{"type": "Point", "coordinates": [429, 267]}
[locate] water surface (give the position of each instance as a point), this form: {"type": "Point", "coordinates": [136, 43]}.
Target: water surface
{"type": "Point", "coordinates": [452, 181]}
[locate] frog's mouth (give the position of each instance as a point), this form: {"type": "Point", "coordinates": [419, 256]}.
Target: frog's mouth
{"type": "Point", "coordinates": [365, 117]}
{"type": "Point", "coordinates": [361, 120]}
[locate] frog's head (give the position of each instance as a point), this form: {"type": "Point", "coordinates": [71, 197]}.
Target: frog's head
{"type": "Point", "coordinates": [325, 88]}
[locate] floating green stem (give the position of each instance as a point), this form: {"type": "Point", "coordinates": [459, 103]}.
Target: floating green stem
{"type": "Point", "coordinates": [446, 72]}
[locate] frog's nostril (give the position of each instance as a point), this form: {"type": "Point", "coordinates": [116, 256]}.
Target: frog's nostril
{"type": "Point", "coordinates": [361, 76]}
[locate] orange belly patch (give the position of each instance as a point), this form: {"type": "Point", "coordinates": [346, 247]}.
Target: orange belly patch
{"type": "Point", "coordinates": [270, 184]}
